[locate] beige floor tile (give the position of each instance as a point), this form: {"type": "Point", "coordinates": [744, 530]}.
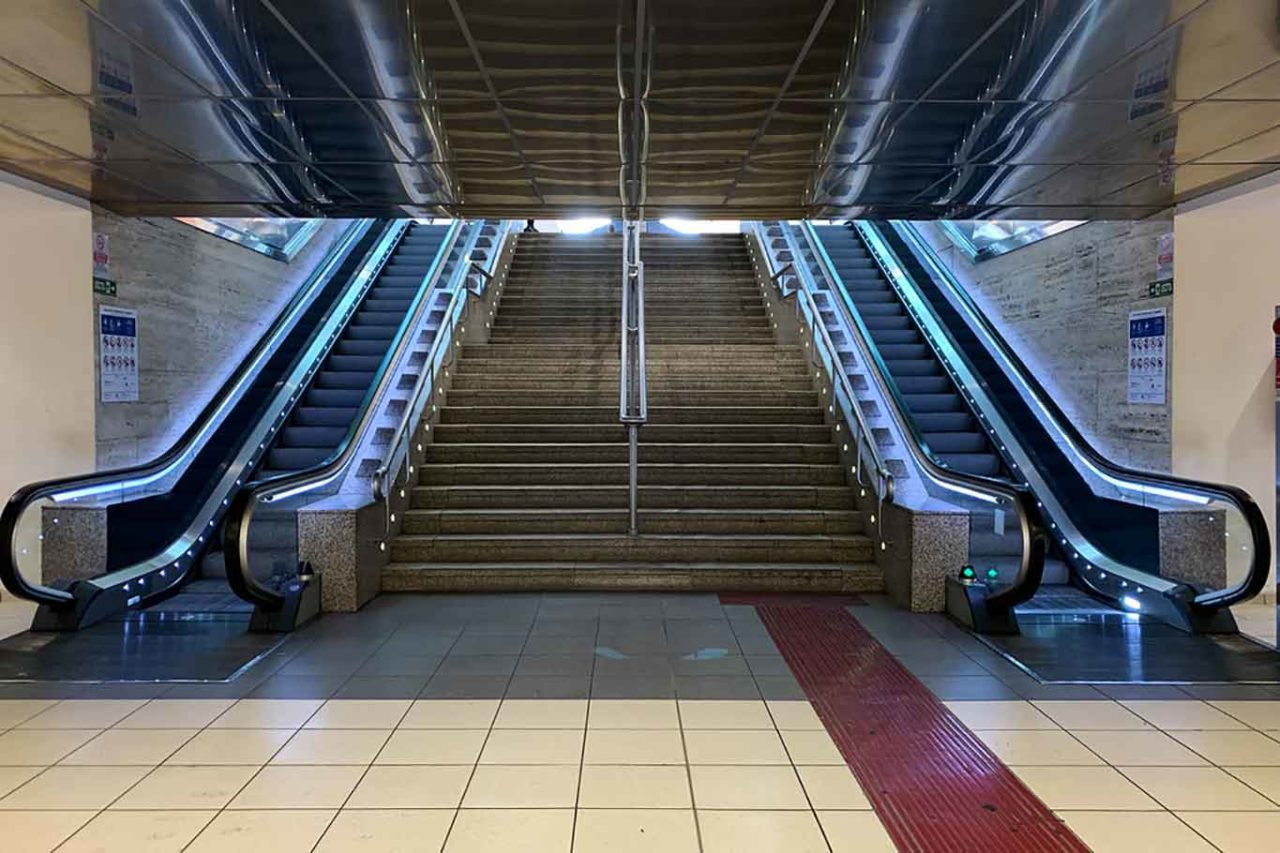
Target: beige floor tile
{"type": "Point", "coordinates": [741, 746]}
{"type": "Point", "coordinates": [14, 712]}
{"type": "Point", "coordinates": [1085, 715]}
{"type": "Point", "coordinates": [73, 788]}
{"type": "Point", "coordinates": [1265, 780]}
{"type": "Point", "coordinates": [1197, 788]}
{"type": "Point", "coordinates": [747, 788]}
{"type": "Point", "coordinates": [1000, 715]}
{"type": "Point", "coordinates": [1136, 749]}
{"type": "Point", "coordinates": [387, 830]}
{"type": "Point", "coordinates": [533, 746]}
{"type": "Point", "coordinates": [1047, 748]}
{"type": "Point", "coordinates": [1239, 749]}
{"type": "Point", "coordinates": [616, 746]}
{"type": "Point", "coordinates": [522, 787]}
{"type": "Point", "coordinates": [635, 831]}
{"type": "Point", "coordinates": [418, 787]}
{"type": "Point", "coordinates": [84, 714]}
{"type": "Point", "coordinates": [280, 831]}
{"type": "Point", "coordinates": [176, 714]}
{"type": "Point", "coordinates": [283, 787]}
{"type": "Point", "coordinates": [1237, 832]}
{"type": "Point", "coordinates": [30, 747]}
{"type": "Point", "coordinates": [812, 747]}
{"type": "Point", "coordinates": [725, 714]}
{"type": "Point", "coordinates": [1126, 832]}
{"type": "Point", "coordinates": [451, 714]}
{"type": "Point", "coordinates": [1261, 715]}
{"type": "Point", "coordinates": [761, 832]}
{"type": "Point", "coordinates": [40, 831]}
{"type": "Point", "coordinates": [12, 777]}
{"type": "Point", "coordinates": [523, 830]}
{"type": "Point", "coordinates": [856, 832]}
{"type": "Point", "coordinates": [633, 786]}
{"type": "Point", "coordinates": [138, 832]}
{"type": "Point", "coordinates": [228, 746]}
{"type": "Point", "coordinates": [359, 714]}
{"type": "Point", "coordinates": [147, 747]}
{"type": "Point", "coordinates": [831, 787]}
{"type": "Point", "coordinates": [267, 714]}
{"type": "Point", "coordinates": [1173, 715]}
{"type": "Point", "coordinates": [433, 746]}
{"type": "Point", "coordinates": [633, 714]}
{"type": "Point", "coordinates": [542, 714]}
{"type": "Point", "coordinates": [795, 715]}
{"type": "Point", "coordinates": [177, 787]}
{"type": "Point", "coordinates": [333, 746]}
{"type": "Point", "coordinates": [1080, 788]}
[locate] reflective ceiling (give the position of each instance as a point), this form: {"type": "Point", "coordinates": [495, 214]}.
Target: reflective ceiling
{"type": "Point", "coordinates": [1016, 109]}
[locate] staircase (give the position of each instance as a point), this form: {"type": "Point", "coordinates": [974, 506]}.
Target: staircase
{"type": "Point", "coordinates": [932, 401]}
{"type": "Point", "coordinates": [525, 483]}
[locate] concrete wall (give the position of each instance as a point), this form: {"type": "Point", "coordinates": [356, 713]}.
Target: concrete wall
{"type": "Point", "coordinates": [202, 303]}
{"type": "Point", "coordinates": [1063, 303]}
{"type": "Point", "coordinates": [1227, 271]}
{"type": "Point", "coordinates": [46, 335]}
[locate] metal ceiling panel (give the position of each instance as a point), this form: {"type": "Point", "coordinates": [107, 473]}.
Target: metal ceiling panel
{"type": "Point", "coordinates": [920, 108]}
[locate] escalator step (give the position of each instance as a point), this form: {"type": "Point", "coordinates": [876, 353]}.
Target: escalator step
{"type": "Point", "coordinates": [323, 416]}
{"type": "Point", "coordinates": [931, 422]}
{"type": "Point", "coordinates": [295, 458]}
{"type": "Point", "coordinates": [985, 464]}
{"type": "Point", "coordinates": [311, 436]}
{"type": "Point", "coordinates": [946, 402]}
{"type": "Point", "coordinates": [348, 380]}
{"type": "Point", "coordinates": [338, 398]}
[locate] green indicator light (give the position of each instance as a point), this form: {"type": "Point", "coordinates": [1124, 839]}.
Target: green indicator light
{"type": "Point", "coordinates": [992, 574]}
{"type": "Point", "coordinates": [968, 573]}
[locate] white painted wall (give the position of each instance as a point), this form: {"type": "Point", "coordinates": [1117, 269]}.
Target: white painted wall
{"type": "Point", "coordinates": [1226, 288]}
{"type": "Point", "coordinates": [46, 335]}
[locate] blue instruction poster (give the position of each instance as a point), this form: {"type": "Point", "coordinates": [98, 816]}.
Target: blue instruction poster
{"type": "Point", "coordinates": [117, 354]}
{"type": "Point", "coordinates": [1148, 342]}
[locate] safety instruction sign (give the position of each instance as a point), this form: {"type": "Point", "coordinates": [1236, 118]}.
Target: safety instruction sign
{"type": "Point", "coordinates": [1148, 356]}
{"type": "Point", "coordinates": [118, 354]}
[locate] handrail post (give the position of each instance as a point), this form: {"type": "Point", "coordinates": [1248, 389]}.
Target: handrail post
{"type": "Point", "coordinates": [633, 406]}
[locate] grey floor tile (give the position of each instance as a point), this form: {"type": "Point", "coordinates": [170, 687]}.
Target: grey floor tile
{"type": "Point", "coordinates": [641, 687]}
{"type": "Point", "coordinates": [463, 664]}
{"type": "Point", "coordinates": [716, 687]}
{"type": "Point", "coordinates": [465, 687]}
{"type": "Point", "coordinates": [549, 687]}
{"type": "Point", "coordinates": [958, 688]}
{"type": "Point", "coordinates": [382, 687]}
{"type": "Point", "coordinates": [298, 687]}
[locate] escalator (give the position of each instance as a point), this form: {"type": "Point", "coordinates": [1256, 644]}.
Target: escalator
{"type": "Point", "coordinates": [979, 409]}
{"type": "Point", "coordinates": [287, 405]}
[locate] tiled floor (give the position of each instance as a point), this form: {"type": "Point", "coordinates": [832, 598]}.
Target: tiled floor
{"type": "Point", "coordinates": [595, 723]}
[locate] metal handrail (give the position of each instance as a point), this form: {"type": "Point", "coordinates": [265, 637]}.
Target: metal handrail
{"type": "Point", "coordinates": [235, 535]}
{"type": "Point", "coordinates": [397, 453]}
{"type": "Point", "coordinates": [179, 454]}
{"type": "Point", "coordinates": [998, 493]}
{"type": "Point", "coordinates": [633, 402]}
{"type": "Point", "coordinates": [1255, 578]}
{"type": "Point", "coordinates": [864, 439]}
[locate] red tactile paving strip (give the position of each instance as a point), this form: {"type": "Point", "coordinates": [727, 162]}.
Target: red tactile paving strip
{"type": "Point", "coordinates": [791, 599]}
{"type": "Point", "coordinates": [933, 783]}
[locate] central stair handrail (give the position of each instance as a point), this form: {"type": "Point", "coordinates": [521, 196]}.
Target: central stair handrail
{"type": "Point", "coordinates": [633, 402]}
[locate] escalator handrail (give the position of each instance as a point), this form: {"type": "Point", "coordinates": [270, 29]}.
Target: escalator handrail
{"type": "Point", "coordinates": [239, 520]}
{"type": "Point", "coordinates": [855, 415]}
{"type": "Point", "coordinates": [1255, 578]}
{"type": "Point", "coordinates": [397, 452]}
{"type": "Point", "coordinates": [228, 394]}
{"type": "Point", "coordinates": [1031, 527]}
